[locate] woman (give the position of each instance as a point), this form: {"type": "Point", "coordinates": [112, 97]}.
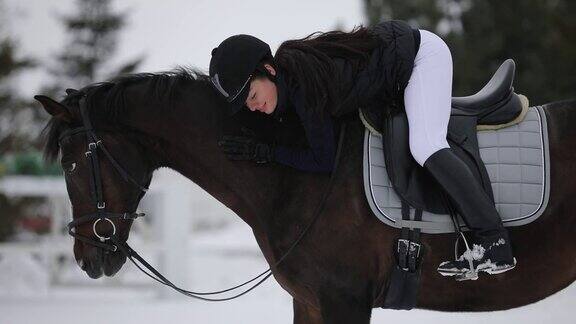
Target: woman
{"type": "Point", "coordinates": [326, 75]}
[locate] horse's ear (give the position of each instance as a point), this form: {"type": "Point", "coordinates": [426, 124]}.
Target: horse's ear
{"type": "Point", "coordinates": [71, 91]}
{"type": "Point", "coordinates": [54, 108]}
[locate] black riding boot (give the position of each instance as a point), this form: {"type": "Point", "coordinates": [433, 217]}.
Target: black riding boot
{"type": "Point", "coordinates": [493, 253]}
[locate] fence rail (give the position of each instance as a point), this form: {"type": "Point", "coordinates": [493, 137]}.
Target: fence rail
{"type": "Point", "coordinates": [171, 197]}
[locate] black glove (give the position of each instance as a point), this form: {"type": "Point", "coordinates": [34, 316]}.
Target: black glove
{"type": "Point", "coordinates": [246, 148]}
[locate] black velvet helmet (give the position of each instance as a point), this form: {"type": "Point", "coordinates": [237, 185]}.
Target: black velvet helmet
{"type": "Point", "coordinates": [232, 65]}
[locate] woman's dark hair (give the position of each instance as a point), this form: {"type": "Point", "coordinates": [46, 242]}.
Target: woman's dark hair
{"type": "Point", "coordinates": [261, 70]}
{"type": "Point", "coordinates": [309, 62]}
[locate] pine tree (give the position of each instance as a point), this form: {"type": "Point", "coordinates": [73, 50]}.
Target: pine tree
{"type": "Point", "coordinates": [423, 13]}
{"type": "Point", "coordinates": [15, 117]}
{"type": "Point", "coordinates": [15, 112]}
{"type": "Point", "coordinates": [92, 32]}
{"type": "Point", "coordinates": [540, 35]}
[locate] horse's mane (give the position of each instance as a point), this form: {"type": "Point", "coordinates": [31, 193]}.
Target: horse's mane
{"type": "Point", "coordinates": [159, 86]}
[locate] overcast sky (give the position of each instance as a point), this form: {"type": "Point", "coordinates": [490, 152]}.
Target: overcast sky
{"type": "Point", "coordinates": [175, 32]}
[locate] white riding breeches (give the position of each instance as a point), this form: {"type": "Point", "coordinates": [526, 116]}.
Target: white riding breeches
{"type": "Point", "coordinates": [428, 97]}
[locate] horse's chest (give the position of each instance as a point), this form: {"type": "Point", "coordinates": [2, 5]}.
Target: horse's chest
{"type": "Point", "coordinates": [323, 263]}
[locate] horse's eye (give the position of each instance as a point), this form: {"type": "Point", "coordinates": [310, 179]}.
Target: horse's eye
{"type": "Point", "coordinates": [69, 168]}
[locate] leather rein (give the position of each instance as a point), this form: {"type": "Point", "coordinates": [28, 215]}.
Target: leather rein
{"type": "Point", "coordinates": [113, 243]}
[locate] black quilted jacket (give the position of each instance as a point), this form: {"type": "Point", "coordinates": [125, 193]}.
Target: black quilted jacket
{"type": "Point", "coordinates": [379, 88]}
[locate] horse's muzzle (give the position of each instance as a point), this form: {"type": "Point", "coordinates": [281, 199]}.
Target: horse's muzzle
{"type": "Point", "coordinates": [97, 262]}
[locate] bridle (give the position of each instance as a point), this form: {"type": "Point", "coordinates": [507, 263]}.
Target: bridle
{"type": "Point", "coordinates": [113, 243]}
{"type": "Point", "coordinates": [94, 143]}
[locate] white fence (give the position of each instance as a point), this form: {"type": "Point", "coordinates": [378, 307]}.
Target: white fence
{"type": "Point", "coordinates": [172, 199]}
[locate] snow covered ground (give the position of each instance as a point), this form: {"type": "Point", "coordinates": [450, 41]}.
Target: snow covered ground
{"type": "Point", "coordinates": [220, 259]}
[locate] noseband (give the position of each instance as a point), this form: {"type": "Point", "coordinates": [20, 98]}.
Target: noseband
{"type": "Point", "coordinates": [94, 143]}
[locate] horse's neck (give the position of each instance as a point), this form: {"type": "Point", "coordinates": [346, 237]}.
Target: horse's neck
{"type": "Point", "coordinates": [272, 199]}
{"type": "Point", "coordinates": [246, 188]}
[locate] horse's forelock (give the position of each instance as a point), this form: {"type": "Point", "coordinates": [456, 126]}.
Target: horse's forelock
{"type": "Point", "coordinates": [51, 134]}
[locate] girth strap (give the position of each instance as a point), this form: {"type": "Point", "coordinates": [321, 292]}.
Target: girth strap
{"type": "Point", "coordinates": [404, 279]}
{"type": "Point", "coordinates": [408, 245]}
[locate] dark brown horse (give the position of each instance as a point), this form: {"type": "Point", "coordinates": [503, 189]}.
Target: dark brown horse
{"type": "Point", "coordinates": [339, 271]}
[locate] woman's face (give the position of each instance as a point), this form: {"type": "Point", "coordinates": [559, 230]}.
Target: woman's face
{"type": "Point", "coordinates": [263, 95]}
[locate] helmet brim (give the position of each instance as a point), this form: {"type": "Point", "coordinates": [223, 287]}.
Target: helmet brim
{"type": "Point", "coordinates": [239, 102]}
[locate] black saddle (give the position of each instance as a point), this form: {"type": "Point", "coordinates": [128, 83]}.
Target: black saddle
{"type": "Point", "coordinates": [495, 104]}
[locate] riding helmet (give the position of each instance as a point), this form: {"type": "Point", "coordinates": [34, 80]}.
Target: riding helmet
{"type": "Point", "coordinates": [232, 65]}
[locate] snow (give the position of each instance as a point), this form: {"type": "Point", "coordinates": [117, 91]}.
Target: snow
{"type": "Point", "coordinates": [218, 259]}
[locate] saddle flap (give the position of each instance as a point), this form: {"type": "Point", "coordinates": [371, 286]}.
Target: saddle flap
{"type": "Point", "coordinates": [410, 181]}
